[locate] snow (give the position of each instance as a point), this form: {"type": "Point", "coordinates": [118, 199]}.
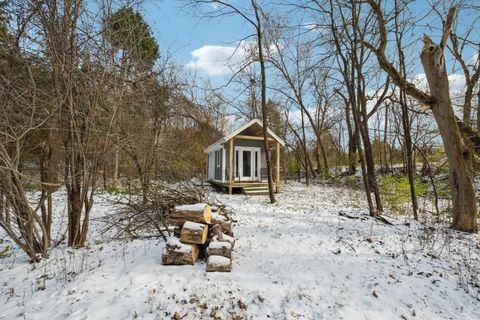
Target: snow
{"type": "Point", "coordinates": [218, 217]}
{"type": "Point", "coordinates": [191, 207]}
{"type": "Point", "coordinates": [179, 247]}
{"type": "Point", "coordinates": [220, 245]}
{"type": "Point", "coordinates": [218, 260]}
{"type": "Point", "coordinates": [225, 237]}
{"type": "Point", "coordinates": [193, 226]}
{"type": "Point", "coordinates": [296, 259]}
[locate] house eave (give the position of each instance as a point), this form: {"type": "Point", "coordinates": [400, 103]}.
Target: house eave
{"type": "Point", "coordinates": [219, 144]}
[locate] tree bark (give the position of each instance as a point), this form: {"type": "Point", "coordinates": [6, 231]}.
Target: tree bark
{"type": "Point", "coordinates": [478, 110]}
{"type": "Point", "coordinates": [307, 181]}
{"type": "Point", "coordinates": [459, 156]}
{"type": "Point", "coordinates": [259, 34]}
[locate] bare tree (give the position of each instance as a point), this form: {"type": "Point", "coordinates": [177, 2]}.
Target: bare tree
{"type": "Point", "coordinates": [458, 154]}
{"type": "Point", "coordinates": [25, 110]}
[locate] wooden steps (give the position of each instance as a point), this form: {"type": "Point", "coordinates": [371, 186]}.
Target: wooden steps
{"type": "Point", "coordinates": [256, 190]}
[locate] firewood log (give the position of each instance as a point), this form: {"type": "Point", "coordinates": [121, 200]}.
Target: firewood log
{"type": "Point", "coordinates": [177, 253]}
{"type": "Point", "coordinates": [224, 238]}
{"type": "Point", "coordinates": [194, 233]}
{"type": "Point", "coordinates": [215, 230]}
{"type": "Point", "coordinates": [218, 248]}
{"type": "Point", "coordinates": [199, 212]}
{"type": "Point", "coordinates": [223, 222]}
{"type": "Point", "coordinates": [219, 264]}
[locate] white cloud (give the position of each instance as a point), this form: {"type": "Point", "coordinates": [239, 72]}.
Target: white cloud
{"type": "Point", "coordinates": [455, 80]}
{"type": "Point", "coordinates": [218, 60]}
{"type": "Point", "coordinates": [457, 83]}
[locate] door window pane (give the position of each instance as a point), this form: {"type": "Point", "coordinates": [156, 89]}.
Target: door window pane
{"type": "Point", "coordinates": [236, 163]}
{"type": "Point", "coordinates": [247, 165]}
{"type": "Point", "coordinates": [256, 164]}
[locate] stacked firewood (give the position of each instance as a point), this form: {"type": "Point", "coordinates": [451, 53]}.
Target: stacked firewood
{"type": "Point", "coordinates": [201, 232]}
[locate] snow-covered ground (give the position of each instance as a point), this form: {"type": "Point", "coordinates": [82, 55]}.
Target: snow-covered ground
{"type": "Point", "coordinates": [297, 259]}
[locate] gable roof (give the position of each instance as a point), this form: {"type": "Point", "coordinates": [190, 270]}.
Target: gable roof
{"type": "Point", "coordinates": [219, 143]}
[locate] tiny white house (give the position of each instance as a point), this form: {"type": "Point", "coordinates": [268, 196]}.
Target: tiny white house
{"type": "Point", "coordinates": [238, 160]}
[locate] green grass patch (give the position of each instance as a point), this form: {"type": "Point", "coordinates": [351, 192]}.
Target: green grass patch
{"type": "Point", "coordinates": [5, 252]}
{"type": "Point", "coordinates": [396, 190]}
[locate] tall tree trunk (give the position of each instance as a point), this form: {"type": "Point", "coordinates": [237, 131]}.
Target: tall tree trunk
{"type": "Point", "coordinates": [385, 141]}
{"type": "Point", "coordinates": [352, 139]}
{"type": "Point", "coordinates": [478, 110]}
{"type": "Point", "coordinates": [307, 181]}
{"type": "Point", "coordinates": [409, 152]}
{"type": "Point", "coordinates": [318, 170]}
{"type": "Point", "coordinates": [116, 165]}
{"type": "Point", "coordinates": [459, 156]}
{"type": "Point", "coordinates": [259, 34]}
{"type": "Point", "coordinates": [406, 119]}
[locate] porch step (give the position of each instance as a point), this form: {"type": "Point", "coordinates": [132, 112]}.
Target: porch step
{"type": "Point", "coordinates": [255, 191]}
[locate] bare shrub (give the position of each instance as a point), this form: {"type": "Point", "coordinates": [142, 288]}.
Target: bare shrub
{"type": "Point", "coordinates": [145, 215]}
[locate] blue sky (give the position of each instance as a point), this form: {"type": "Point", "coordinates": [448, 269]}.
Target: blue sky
{"type": "Point", "coordinates": [191, 39]}
{"type": "Point", "coordinates": [198, 43]}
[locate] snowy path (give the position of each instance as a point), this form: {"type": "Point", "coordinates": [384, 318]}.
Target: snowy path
{"type": "Point", "coordinates": [297, 259]}
{"type": "Point", "coordinates": [307, 262]}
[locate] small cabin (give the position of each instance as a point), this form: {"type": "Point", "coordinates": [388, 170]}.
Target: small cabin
{"type": "Point", "coordinates": [238, 160]}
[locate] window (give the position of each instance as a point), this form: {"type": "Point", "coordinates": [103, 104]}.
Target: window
{"type": "Point", "coordinates": [236, 163]}
{"type": "Point", "coordinates": [247, 163]}
{"type": "Point", "coordinates": [218, 154]}
{"type": "Point", "coordinates": [256, 164]}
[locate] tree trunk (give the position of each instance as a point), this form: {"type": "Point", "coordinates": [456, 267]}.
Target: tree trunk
{"type": "Point", "coordinates": [352, 139]}
{"type": "Point", "coordinates": [307, 181]}
{"type": "Point", "coordinates": [367, 146]}
{"type": "Point", "coordinates": [115, 166]}
{"type": "Point", "coordinates": [478, 111]}
{"type": "Point", "coordinates": [259, 34]}
{"type": "Point", "coordinates": [464, 204]}
{"type": "Point", "coordinates": [386, 167]}
{"type": "Point", "coordinates": [409, 153]}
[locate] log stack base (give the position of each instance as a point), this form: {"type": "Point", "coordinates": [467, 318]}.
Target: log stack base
{"type": "Point", "coordinates": [218, 248]}
{"type": "Point", "coordinates": [177, 253]}
{"type": "Point", "coordinates": [219, 264]}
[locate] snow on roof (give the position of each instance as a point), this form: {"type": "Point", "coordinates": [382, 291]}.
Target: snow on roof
{"type": "Point", "coordinates": [217, 145]}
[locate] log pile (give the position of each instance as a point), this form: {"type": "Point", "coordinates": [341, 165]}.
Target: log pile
{"type": "Point", "coordinates": [200, 232]}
